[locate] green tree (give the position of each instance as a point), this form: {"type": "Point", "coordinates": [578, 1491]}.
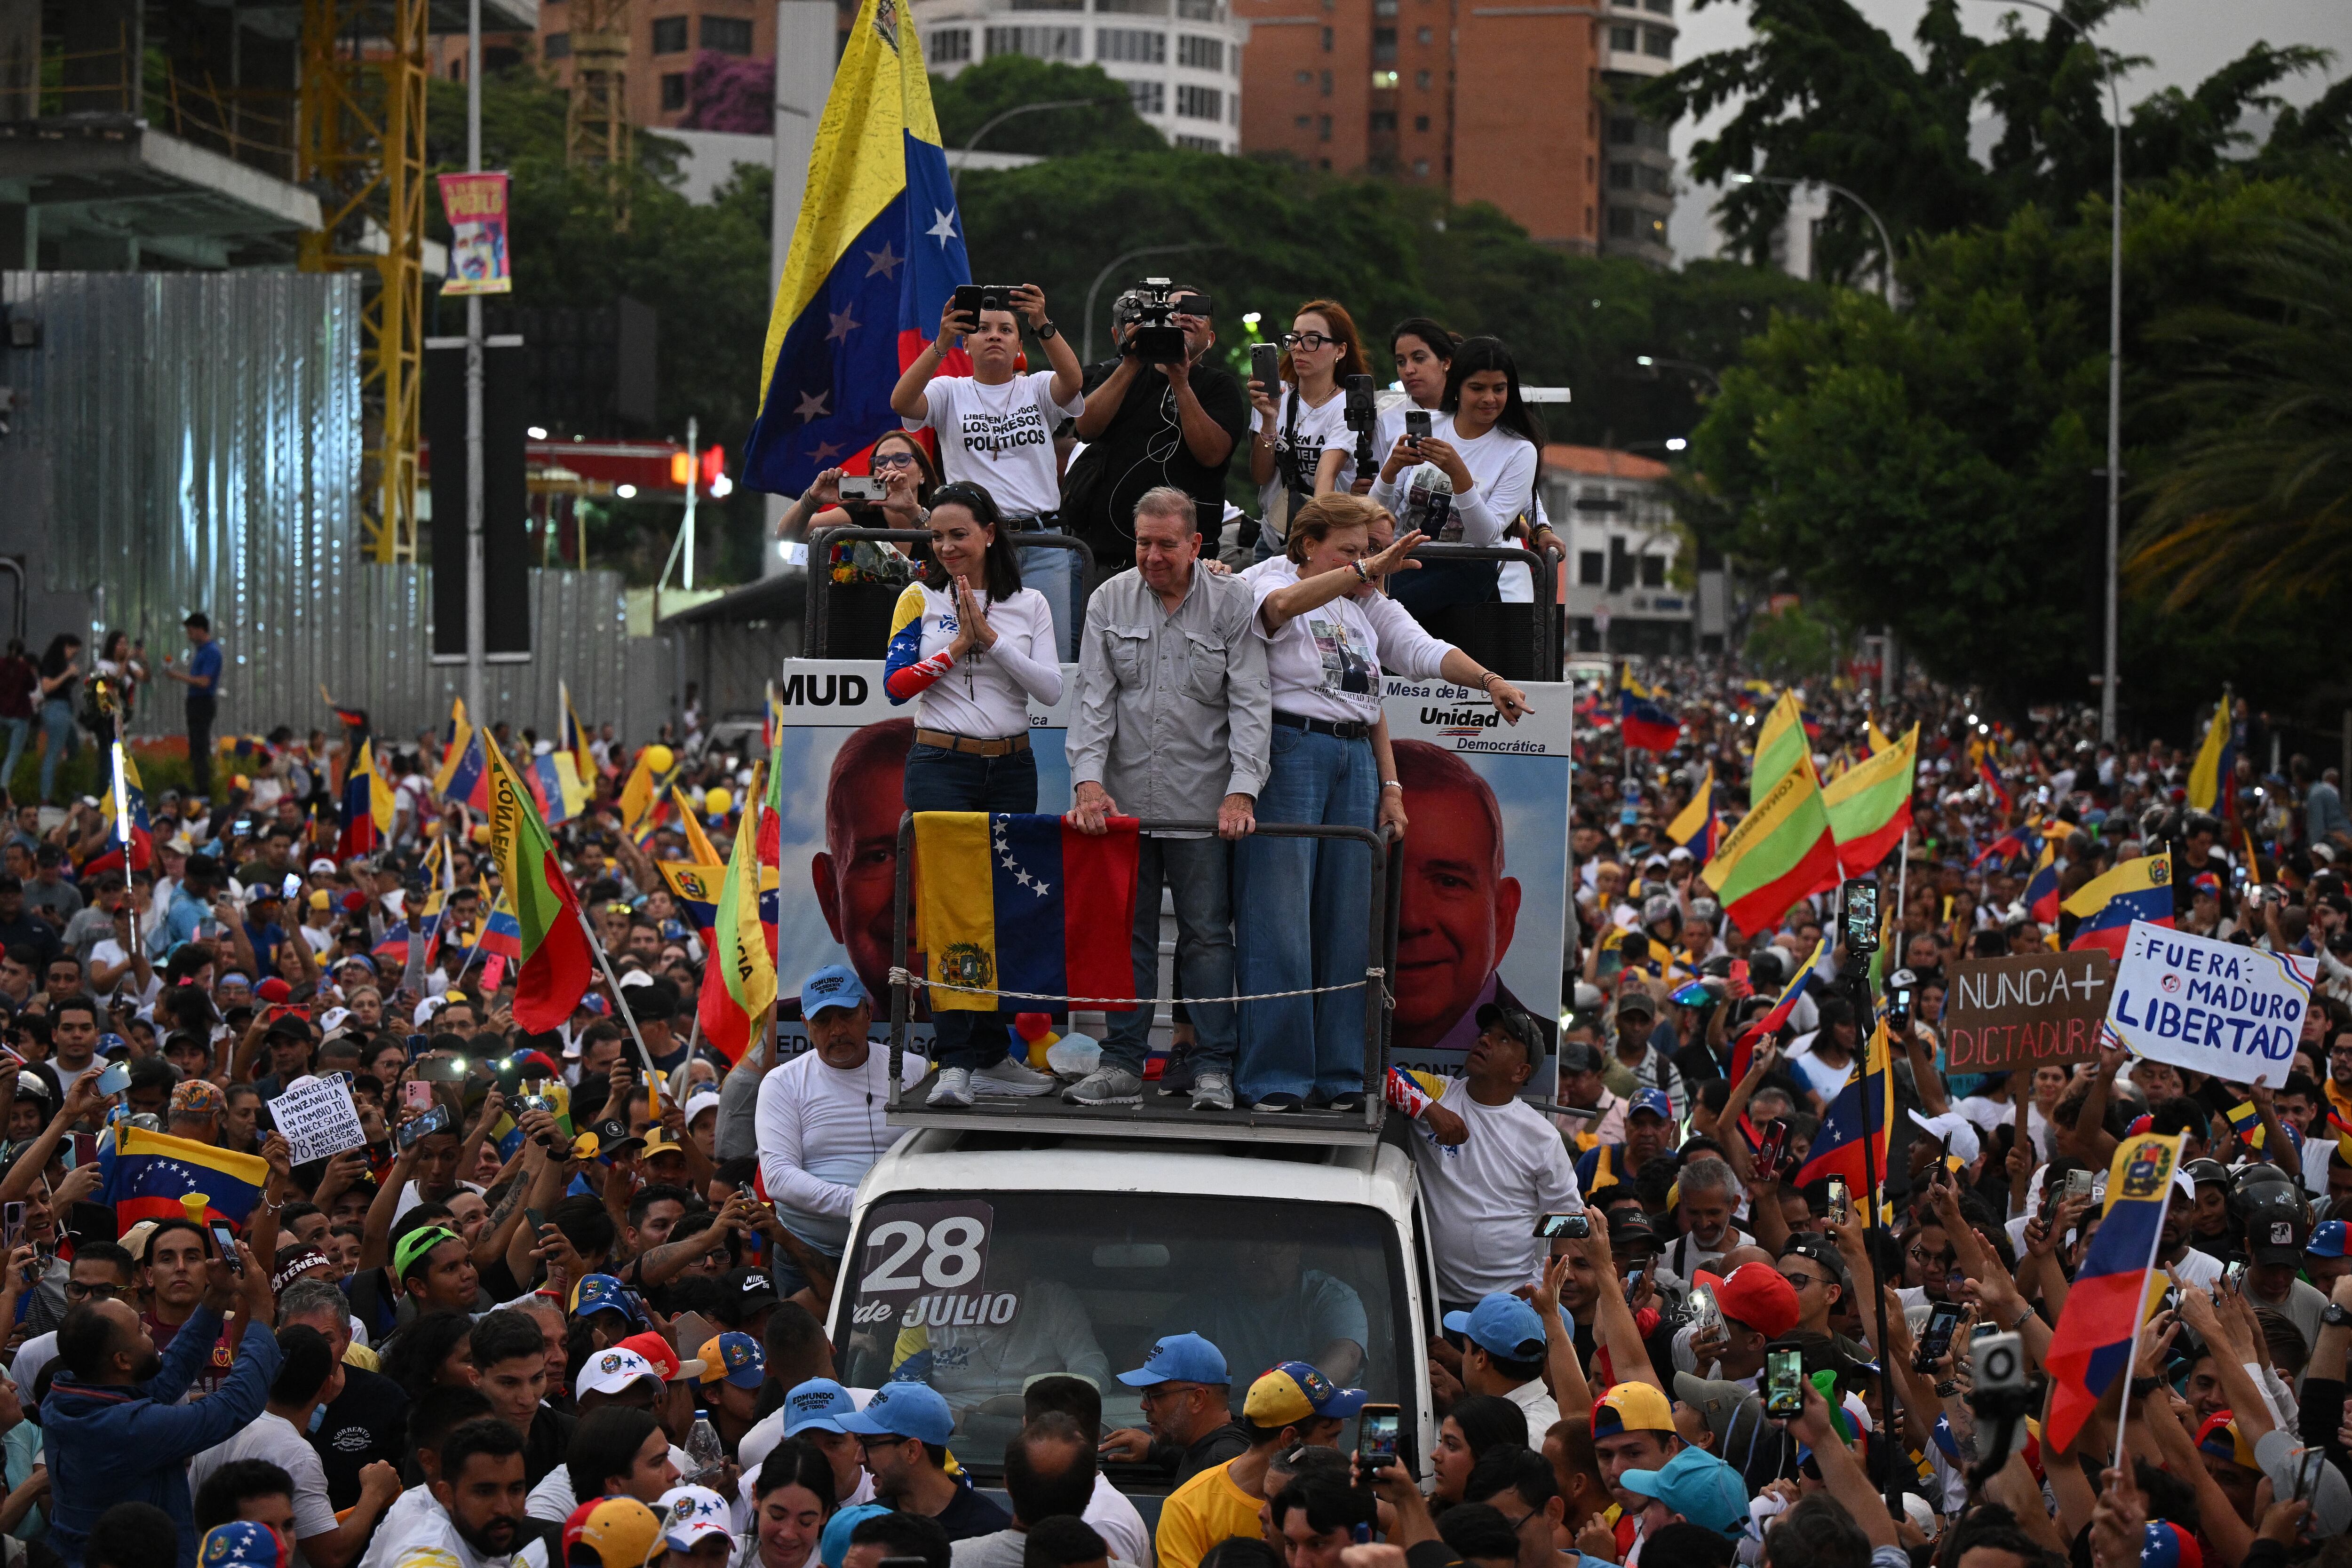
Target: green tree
{"type": "Point", "coordinates": [969, 100]}
{"type": "Point", "coordinates": [1790, 646]}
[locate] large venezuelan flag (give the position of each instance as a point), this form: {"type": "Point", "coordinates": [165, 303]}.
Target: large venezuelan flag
{"type": "Point", "coordinates": [464, 774]}
{"type": "Point", "coordinates": [1697, 828]}
{"type": "Point", "coordinates": [145, 1174]}
{"type": "Point", "coordinates": [1863, 1108]}
{"type": "Point", "coordinates": [2117, 1288]}
{"type": "Point", "coordinates": [1642, 722]}
{"type": "Point", "coordinates": [2209, 777]}
{"type": "Point", "coordinates": [878, 249]}
{"type": "Point", "coordinates": [2138, 889]}
{"type": "Point", "coordinates": [1026, 903]}
{"type": "Point", "coordinates": [2040, 897]}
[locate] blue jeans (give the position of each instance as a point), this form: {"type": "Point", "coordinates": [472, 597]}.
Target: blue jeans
{"type": "Point", "coordinates": [942, 781]}
{"type": "Point", "coordinates": [20, 730]}
{"type": "Point", "coordinates": [1440, 583]}
{"type": "Point", "coordinates": [1053, 574]}
{"type": "Point", "coordinates": [1200, 872]}
{"type": "Point", "coordinates": [57, 723]}
{"type": "Point", "coordinates": [1302, 917]}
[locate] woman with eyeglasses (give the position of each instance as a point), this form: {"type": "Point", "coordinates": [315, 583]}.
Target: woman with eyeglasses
{"type": "Point", "coordinates": [908, 477]}
{"type": "Point", "coordinates": [972, 648]}
{"type": "Point", "coordinates": [1302, 416]}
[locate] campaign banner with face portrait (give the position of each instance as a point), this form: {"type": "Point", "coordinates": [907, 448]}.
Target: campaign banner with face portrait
{"type": "Point", "coordinates": [1485, 896]}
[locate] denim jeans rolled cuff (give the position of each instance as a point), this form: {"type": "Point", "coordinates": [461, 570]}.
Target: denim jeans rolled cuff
{"type": "Point", "coordinates": [938, 780]}
{"type": "Point", "coordinates": [1199, 873]}
{"type": "Point", "coordinates": [1302, 919]}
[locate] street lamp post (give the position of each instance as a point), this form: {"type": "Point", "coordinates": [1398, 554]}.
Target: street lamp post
{"type": "Point", "coordinates": [1654, 363]}
{"type": "Point", "coordinates": [995, 120]}
{"type": "Point", "coordinates": [2109, 675]}
{"type": "Point", "coordinates": [1885, 246]}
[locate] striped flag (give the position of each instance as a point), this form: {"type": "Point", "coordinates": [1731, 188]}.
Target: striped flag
{"type": "Point", "coordinates": [2105, 906]}
{"type": "Point", "coordinates": [1780, 852]}
{"type": "Point", "coordinates": [738, 988]}
{"type": "Point", "coordinates": [557, 964]}
{"type": "Point", "coordinates": [1743, 1051]}
{"type": "Point", "coordinates": [1781, 747]}
{"type": "Point", "coordinates": [1869, 806]}
{"type": "Point", "coordinates": [2117, 1287]}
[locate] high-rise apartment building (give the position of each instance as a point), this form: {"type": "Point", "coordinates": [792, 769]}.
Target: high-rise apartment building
{"type": "Point", "coordinates": [1519, 104]}
{"type": "Point", "coordinates": [666, 38]}
{"type": "Point", "coordinates": [1180, 60]}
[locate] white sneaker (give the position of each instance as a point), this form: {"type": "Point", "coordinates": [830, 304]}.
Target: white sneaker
{"type": "Point", "coordinates": [1009, 1077]}
{"type": "Point", "coordinates": [954, 1087]}
{"type": "Point", "coordinates": [1106, 1086]}
{"type": "Point", "coordinates": [1213, 1091]}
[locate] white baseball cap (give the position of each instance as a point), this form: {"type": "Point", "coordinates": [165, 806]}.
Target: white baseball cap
{"type": "Point", "coordinates": [610, 1371]}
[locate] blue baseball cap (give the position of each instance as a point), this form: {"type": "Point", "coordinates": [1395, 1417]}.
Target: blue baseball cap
{"type": "Point", "coordinates": [1654, 1099]}
{"type": "Point", "coordinates": [1501, 1324]}
{"type": "Point", "coordinates": [834, 1544]}
{"type": "Point", "coordinates": [604, 1293]}
{"type": "Point", "coordinates": [2326, 1240]}
{"type": "Point", "coordinates": [817, 1404]}
{"type": "Point", "coordinates": [835, 985]}
{"type": "Point", "coordinates": [1699, 1486]}
{"type": "Point", "coordinates": [242, 1540]}
{"type": "Point", "coordinates": [1180, 1358]}
{"type": "Point", "coordinates": [904, 1409]}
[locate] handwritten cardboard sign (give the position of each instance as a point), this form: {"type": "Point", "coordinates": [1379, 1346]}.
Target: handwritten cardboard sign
{"type": "Point", "coordinates": [318, 1118]}
{"type": "Point", "coordinates": [2004, 1015]}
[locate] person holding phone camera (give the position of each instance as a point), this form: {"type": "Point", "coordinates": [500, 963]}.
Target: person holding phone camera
{"type": "Point", "coordinates": [1487, 446]}
{"type": "Point", "coordinates": [996, 426]}
{"type": "Point", "coordinates": [1301, 414]}
{"type": "Point", "coordinates": [1422, 350]}
{"type": "Point", "coordinates": [903, 469]}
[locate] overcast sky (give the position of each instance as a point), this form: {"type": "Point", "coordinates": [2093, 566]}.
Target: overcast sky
{"type": "Point", "coordinates": [2182, 39]}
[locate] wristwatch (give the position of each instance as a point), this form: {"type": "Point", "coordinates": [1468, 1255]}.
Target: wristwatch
{"type": "Point", "coordinates": [1357, 567]}
{"type": "Point", "coordinates": [1045, 330]}
{"type": "Point", "coordinates": [2335, 1316]}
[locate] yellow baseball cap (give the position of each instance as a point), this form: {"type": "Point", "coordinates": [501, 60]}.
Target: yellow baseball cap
{"type": "Point", "coordinates": [622, 1532]}
{"type": "Point", "coordinates": [1632, 1407]}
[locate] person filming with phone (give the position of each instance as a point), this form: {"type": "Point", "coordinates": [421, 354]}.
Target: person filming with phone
{"type": "Point", "coordinates": [996, 426]}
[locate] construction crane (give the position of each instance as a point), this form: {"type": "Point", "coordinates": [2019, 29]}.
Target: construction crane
{"type": "Point", "coordinates": [359, 144]}
{"type": "Point", "coordinates": [597, 128]}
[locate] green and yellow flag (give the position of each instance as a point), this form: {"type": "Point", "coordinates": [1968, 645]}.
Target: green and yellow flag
{"type": "Point", "coordinates": [556, 966]}
{"type": "Point", "coordinates": [1781, 852]}
{"type": "Point", "coordinates": [739, 989]}
{"type": "Point", "coordinates": [1780, 745]}
{"type": "Point", "coordinates": [1870, 805]}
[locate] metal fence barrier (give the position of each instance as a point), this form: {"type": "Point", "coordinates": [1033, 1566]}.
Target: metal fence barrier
{"type": "Point", "coordinates": [815, 635]}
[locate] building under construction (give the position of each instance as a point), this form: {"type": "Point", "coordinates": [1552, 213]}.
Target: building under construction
{"type": "Point", "coordinates": [214, 267]}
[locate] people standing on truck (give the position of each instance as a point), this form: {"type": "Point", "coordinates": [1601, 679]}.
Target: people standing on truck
{"type": "Point", "coordinates": [904, 1431]}
{"type": "Point", "coordinates": [970, 647]}
{"type": "Point", "coordinates": [1172, 723]}
{"type": "Point", "coordinates": [1329, 633]}
{"type": "Point", "coordinates": [1187, 1402]}
{"type": "Point", "coordinates": [1485, 1191]}
{"type": "Point", "coordinates": [996, 426]}
{"type": "Point", "coordinates": [821, 1120]}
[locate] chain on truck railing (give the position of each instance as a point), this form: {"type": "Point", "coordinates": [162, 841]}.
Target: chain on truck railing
{"type": "Point", "coordinates": [1547, 650]}
{"type": "Point", "coordinates": [815, 635]}
{"type": "Point", "coordinates": [1378, 979]}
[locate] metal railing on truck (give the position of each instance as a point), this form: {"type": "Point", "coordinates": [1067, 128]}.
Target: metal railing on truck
{"type": "Point", "coordinates": [817, 639]}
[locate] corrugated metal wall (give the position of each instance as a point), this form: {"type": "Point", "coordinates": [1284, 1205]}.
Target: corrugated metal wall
{"type": "Point", "coordinates": [192, 441]}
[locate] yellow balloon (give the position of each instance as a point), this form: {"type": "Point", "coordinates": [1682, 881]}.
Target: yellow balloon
{"type": "Point", "coordinates": [660, 760]}
{"type": "Point", "coordinates": [716, 802]}
{"type": "Point", "coordinates": [481, 833]}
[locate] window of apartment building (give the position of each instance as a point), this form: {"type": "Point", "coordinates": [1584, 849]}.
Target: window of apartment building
{"type": "Point", "coordinates": [1620, 176]}
{"type": "Point", "coordinates": [1201, 54]}
{"type": "Point", "coordinates": [1200, 143]}
{"type": "Point", "coordinates": [1420, 122]}
{"type": "Point", "coordinates": [1326, 84]}
{"type": "Point", "coordinates": [1659, 42]}
{"type": "Point", "coordinates": [727, 35]}
{"type": "Point", "coordinates": [1385, 10]}
{"type": "Point", "coordinates": [1421, 168]}
{"type": "Point", "coordinates": [1128, 8]}
{"type": "Point", "coordinates": [669, 35]}
{"type": "Point", "coordinates": [1200, 10]}
{"type": "Point", "coordinates": [1384, 46]}
{"type": "Point", "coordinates": [1136, 46]}
{"type": "Point", "coordinates": [1200, 103]}
{"type": "Point", "coordinates": [1421, 34]}
{"type": "Point", "coordinates": [948, 45]}
{"type": "Point", "coordinates": [1656, 181]}
{"type": "Point", "coordinates": [1625, 40]}
{"type": "Point", "coordinates": [1621, 222]}
{"type": "Point", "coordinates": [1323, 129]}
{"type": "Point", "coordinates": [1587, 169]}
{"type": "Point", "coordinates": [555, 47]}
{"type": "Point", "coordinates": [1421, 79]}
{"type": "Point", "coordinates": [1624, 129]}
{"type": "Point", "coordinates": [1148, 97]}
{"type": "Point", "coordinates": [1303, 122]}
{"type": "Point", "coordinates": [1306, 78]}
{"type": "Point", "coordinates": [1384, 81]}
{"type": "Point", "coordinates": [1591, 568]}
{"type": "Point", "coordinates": [1384, 121]}
{"type": "Point", "coordinates": [673, 93]}
{"type": "Point", "coordinates": [1326, 40]}
{"type": "Point", "coordinates": [1663, 8]}
{"type": "Point", "coordinates": [1653, 572]}
{"type": "Point", "coordinates": [1039, 42]}
{"type": "Point", "coordinates": [1588, 220]}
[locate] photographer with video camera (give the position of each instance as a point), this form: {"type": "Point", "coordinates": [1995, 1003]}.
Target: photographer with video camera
{"type": "Point", "coordinates": [996, 427]}
{"type": "Point", "coordinates": [1300, 412]}
{"type": "Point", "coordinates": [1158, 414]}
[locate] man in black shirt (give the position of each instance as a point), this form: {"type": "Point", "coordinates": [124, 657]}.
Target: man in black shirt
{"type": "Point", "coordinates": [1147, 425]}
{"type": "Point", "coordinates": [904, 1432]}
{"type": "Point", "coordinates": [369, 1419]}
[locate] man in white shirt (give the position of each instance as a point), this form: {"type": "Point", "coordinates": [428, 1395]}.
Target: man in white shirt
{"type": "Point", "coordinates": [309, 1378]}
{"type": "Point", "coordinates": [1485, 1192]}
{"type": "Point", "coordinates": [822, 1117]}
{"type": "Point", "coordinates": [1049, 1473]}
{"type": "Point", "coordinates": [1504, 1356]}
{"type": "Point", "coordinates": [996, 427]}
{"type": "Point", "coordinates": [477, 1519]}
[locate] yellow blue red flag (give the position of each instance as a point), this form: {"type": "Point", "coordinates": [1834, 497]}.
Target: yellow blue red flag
{"type": "Point", "coordinates": [146, 1176]}
{"type": "Point", "coordinates": [1026, 903]}
{"type": "Point", "coordinates": [878, 249]}
{"type": "Point", "coordinates": [2115, 1290]}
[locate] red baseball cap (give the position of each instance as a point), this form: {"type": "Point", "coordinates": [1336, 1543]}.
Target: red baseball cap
{"type": "Point", "coordinates": [1759, 1295]}
{"type": "Point", "coordinates": [665, 1359]}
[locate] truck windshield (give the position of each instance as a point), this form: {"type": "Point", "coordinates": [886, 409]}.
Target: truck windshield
{"type": "Point", "coordinates": [978, 1294]}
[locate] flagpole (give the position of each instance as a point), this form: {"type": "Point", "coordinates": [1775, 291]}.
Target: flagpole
{"type": "Point", "coordinates": [1857, 979]}
{"type": "Point", "coordinates": [1902, 886]}
{"type": "Point", "coordinates": [2139, 1320]}
{"type": "Point", "coordinates": [620, 999]}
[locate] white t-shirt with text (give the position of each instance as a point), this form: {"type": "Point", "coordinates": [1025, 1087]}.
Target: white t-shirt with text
{"type": "Point", "coordinates": [1001, 437]}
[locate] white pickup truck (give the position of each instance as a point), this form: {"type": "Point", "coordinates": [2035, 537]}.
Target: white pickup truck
{"type": "Point", "coordinates": [980, 1258]}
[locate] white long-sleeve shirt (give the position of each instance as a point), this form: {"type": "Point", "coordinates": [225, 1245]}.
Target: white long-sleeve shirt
{"type": "Point", "coordinates": [821, 1129]}
{"type": "Point", "coordinates": [1502, 464]}
{"type": "Point", "coordinates": [1485, 1193]}
{"type": "Point", "coordinates": [984, 695]}
{"type": "Point", "coordinates": [1326, 663]}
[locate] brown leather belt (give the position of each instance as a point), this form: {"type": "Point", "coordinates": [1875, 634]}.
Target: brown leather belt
{"type": "Point", "coordinates": [971, 746]}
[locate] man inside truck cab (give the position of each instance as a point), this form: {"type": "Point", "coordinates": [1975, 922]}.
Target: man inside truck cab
{"type": "Point", "coordinates": [1188, 1403]}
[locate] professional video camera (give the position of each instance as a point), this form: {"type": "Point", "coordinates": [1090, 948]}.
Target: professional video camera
{"type": "Point", "coordinates": [1154, 305]}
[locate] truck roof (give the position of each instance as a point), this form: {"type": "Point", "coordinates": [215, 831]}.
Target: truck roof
{"type": "Point", "coordinates": [936, 1160]}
